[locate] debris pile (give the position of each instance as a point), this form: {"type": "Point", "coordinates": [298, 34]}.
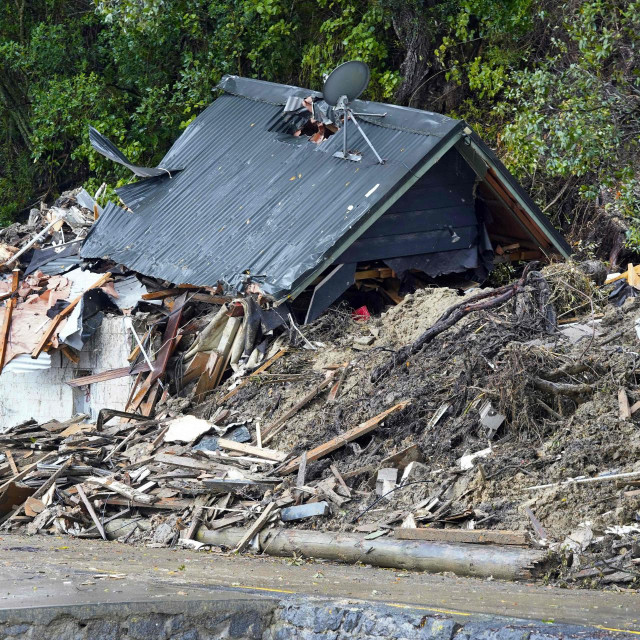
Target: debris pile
{"type": "Point", "coordinates": [502, 416]}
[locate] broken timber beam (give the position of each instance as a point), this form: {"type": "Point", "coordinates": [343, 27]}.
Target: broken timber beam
{"type": "Point", "coordinates": [172, 504]}
{"type": "Point", "coordinates": [187, 463]}
{"type": "Point", "coordinates": [91, 511]}
{"type": "Point", "coordinates": [335, 443]}
{"type": "Point", "coordinates": [250, 450]}
{"type": "Point", "coordinates": [469, 536]}
{"type": "Point", "coordinates": [8, 311]}
{"type": "Point", "coordinates": [255, 528]}
{"type": "Point", "coordinates": [123, 490]}
{"type": "Point", "coordinates": [53, 325]}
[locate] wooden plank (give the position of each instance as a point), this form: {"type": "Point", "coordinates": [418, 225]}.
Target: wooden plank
{"type": "Point", "coordinates": [138, 397]}
{"type": "Point", "coordinates": [335, 443]}
{"type": "Point", "coordinates": [205, 381]}
{"type": "Point", "coordinates": [632, 277]}
{"type": "Point", "coordinates": [302, 471]}
{"type": "Point", "coordinates": [623, 404]}
{"type": "Point", "coordinates": [122, 489]}
{"type": "Point", "coordinates": [111, 374]}
{"type": "Point", "coordinates": [196, 366]}
{"type": "Point", "coordinates": [26, 470]}
{"type": "Point", "coordinates": [136, 350]}
{"type": "Point", "coordinates": [70, 354]}
{"type": "Point", "coordinates": [198, 296]}
{"type": "Point", "coordinates": [470, 536]}
{"type": "Point", "coordinates": [255, 528]}
{"type": "Point", "coordinates": [163, 293]}
{"type": "Point", "coordinates": [186, 463]}
{"type": "Point", "coordinates": [53, 325]}
{"type": "Point", "coordinates": [340, 479]}
{"type": "Point", "coordinates": [402, 458]}
{"type": "Point", "coordinates": [370, 468]}
{"type": "Point", "coordinates": [241, 447]}
{"type": "Point", "coordinates": [8, 311]}
{"type": "Point", "coordinates": [335, 389]}
{"type": "Point", "coordinates": [146, 407]}
{"type": "Point", "coordinates": [231, 485]}
{"type": "Point", "coordinates": [161, 503]}
{"type": "Point", "coordinates": [12, 462]}
{"type": "Point", "coordinates": [121, 444]}
{"type": "Point", "coordinates": [384, 272]}
{"type": "Point", "coordinates": [46, 486]}
{"type": "Point", "coordinates": [91, 511]}
{"type": "Point", "coordinates": [221, 523]}
{"type": "Point", "coordinates": [168, 340]}
{"type": "Point", "coordinates": [259, 370]}
{"type": "Point", "coordinates": [196, 516]}
{"type": "Point", "coordinates": [622, 276]}
{"type": "Point", "coordinates": [275, 427]}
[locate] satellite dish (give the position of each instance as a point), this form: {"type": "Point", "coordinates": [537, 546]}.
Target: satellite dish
{"type": "Point", "coordinates": [344, 85]}
{"type": "Point", "coordinates": [350, 79]}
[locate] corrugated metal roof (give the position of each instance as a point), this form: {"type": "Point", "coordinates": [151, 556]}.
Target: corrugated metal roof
{"type": "Point", "coordinates": [252, 203]}
{"type": "Point", "coordinates": [247, 202]}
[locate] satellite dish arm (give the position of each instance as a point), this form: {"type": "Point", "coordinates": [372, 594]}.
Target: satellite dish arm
{"type": "Point", "coordinates": [362, 133]}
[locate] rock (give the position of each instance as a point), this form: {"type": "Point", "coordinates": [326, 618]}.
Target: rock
{"type": "Point", "coordinates": [163, 533]}
{"type": "Point", "coordinates": [595, 269]}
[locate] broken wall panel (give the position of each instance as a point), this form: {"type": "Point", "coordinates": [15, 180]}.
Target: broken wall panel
{"type": "Point", "coordinates": [43, 392]}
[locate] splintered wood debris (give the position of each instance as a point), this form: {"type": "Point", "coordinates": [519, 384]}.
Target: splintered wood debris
{"type": "Point", "coordinates": [447, 419]}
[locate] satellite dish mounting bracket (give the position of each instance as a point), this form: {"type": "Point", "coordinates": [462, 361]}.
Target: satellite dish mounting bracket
{"type": "Point", "coordinates": [345, 84]}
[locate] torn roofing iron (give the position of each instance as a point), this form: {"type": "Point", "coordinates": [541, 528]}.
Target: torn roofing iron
{"type": "Point", "coordinates": [109, 150]}
{"type": "Point", "coordinates": [251, 201]}
{"type": "Point", "coordinates": [255, 203]}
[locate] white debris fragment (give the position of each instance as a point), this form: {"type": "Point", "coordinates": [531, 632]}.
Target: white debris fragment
{"type": "Point", "coordinates": [186, 429]}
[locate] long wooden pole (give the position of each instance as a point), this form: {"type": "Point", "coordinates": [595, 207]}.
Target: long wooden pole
{"type": "Point", "coordinates": [482, 561]}
{"type": "Point", "coordinates": [8, 310]}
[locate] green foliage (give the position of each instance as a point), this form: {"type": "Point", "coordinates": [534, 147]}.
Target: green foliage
{"type": "Point", "coordinates": [554, 86]}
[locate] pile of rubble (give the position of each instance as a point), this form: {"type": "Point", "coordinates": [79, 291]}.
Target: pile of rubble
{"type": "Point", "coordinates": [505, 416]}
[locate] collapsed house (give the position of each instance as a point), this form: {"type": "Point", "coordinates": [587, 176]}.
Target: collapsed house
{"type": "Point", "coordinates": [253, 200]}
{"type": "Point", "coordinates": [245, 200]}
{"type": "Point", "coordinates": [156, 387]}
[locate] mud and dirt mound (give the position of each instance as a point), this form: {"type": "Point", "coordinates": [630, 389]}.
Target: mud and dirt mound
{"type": "Point", "coordinates": [557, 386]}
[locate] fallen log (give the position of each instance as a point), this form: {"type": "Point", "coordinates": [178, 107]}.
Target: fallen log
{"type": "Point", "coordinates": [510, 563]}
{"type": "Point", "coordinates": [485, 300]}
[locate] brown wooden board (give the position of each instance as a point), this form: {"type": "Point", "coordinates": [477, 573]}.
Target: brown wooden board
{"type": "Point", "coordinates": [335, 443]}
{"type": "Point", "coordinates": [471, 536]}
{"type": "Point", "coordinates": [53, 325]}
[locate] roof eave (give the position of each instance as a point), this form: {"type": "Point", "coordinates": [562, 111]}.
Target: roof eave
{"type": "Point", "coordinates": [519, 195]}
{"type": "Point", "coordinates": [443, 145]}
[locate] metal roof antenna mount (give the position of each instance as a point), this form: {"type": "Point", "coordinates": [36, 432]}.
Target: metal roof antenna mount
{"type": "Point", "coordinates": [344, 85]}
